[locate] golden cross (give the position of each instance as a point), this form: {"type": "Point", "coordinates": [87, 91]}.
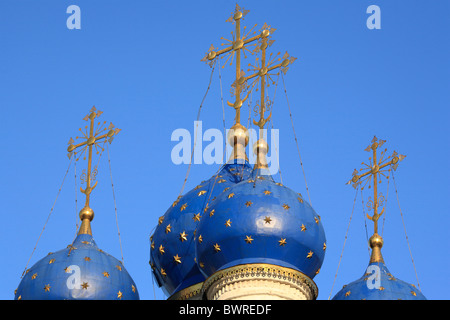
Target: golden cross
{"type": "Point", "coordinates": [263, 75]}
{"type": "Point", "coordinates": [377, 168]}
{"type": "Point", "coordinates": [237, 46]}
{"type": "Point", "coordinates": [92, 139]}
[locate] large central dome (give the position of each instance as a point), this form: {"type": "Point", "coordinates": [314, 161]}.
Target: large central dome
{"type": "Point", "coordinates": [258, 221]}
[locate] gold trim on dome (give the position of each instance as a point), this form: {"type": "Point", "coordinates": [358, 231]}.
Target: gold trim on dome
{"type": "Point", "coordinates": [188, 292]}
{"type": "Point", "coordinates": [269, 271]}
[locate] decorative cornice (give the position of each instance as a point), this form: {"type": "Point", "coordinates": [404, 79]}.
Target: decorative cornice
{"type": "Point", "coordinates": [261, 271]}
{"type": "Point", "coordinates": [188, 293]}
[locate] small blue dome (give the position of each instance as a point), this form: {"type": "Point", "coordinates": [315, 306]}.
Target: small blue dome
{"type": "Point", "coordinates": [172, 253]}
{"type": "Point", "coordinates": [80, 271]}
{"type": "Point", "coordinates": [387, 287]}
{"type": "Point", "coordinates": [260, 221]}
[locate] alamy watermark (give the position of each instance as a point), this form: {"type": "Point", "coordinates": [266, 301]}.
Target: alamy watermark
{"type": "Point", "coordinates": [208, 147]}
{"type": "Point", "coordinates": [374, 277]}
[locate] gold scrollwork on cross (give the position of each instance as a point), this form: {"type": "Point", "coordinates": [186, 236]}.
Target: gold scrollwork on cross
{"type": "Point", "coordinates": [376, 168]}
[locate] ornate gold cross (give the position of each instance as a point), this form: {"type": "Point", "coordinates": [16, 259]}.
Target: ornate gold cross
{"type": "Point", "coordinates": [237, 46]}
{"type": "Point", "coordinates": [92, 139]}
{"type": "Point", "coordinates": [377, 168]}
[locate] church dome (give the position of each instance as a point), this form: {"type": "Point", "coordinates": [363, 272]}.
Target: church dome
{"type": "Point", "coordinates": [81, 271]}
{"type": "Point", "coordinates": [387, 287]}
{"type": "Point", "coordinates": [172, 253]}
{"type": "Point", "coordinates": [260, 221]}
{"type": "Point", "coordinates": [377, 283]}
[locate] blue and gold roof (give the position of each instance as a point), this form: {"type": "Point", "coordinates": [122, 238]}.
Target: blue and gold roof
{"type": "Point", "coordinates": [81, 271]}
{"type": "Point", "coordinates": [172, 249]}
{"type": "Point", "coordinates": [386, 287]}
{"type": "Point", "coordinates": [377, 283]}
{"type": "Point", "coordinates": [260, 221]}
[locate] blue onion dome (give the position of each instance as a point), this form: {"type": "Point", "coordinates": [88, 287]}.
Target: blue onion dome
{"type": "Point", "coordinates": [260, 221]}
{"type": "Point", "coordinates": [81, 271]}
{"type": "Point", "coordinates": [377, 283]}
{"type": "Point", "coordinates": [172, 245]}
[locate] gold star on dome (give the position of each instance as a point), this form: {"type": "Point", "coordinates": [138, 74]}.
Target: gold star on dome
{"type": "Point", "coordinates": [87, 259]}
{"type": "Point", "coordinates": [119, 268]}
{"type": "Point", "coordinates": [226, 189]}
{"type": "Point", "coordinates": [381, 288]}
{"type": "Point", "coordinates": [152, 246]}
{"type": "Point", "coordinates": [51, 261]}
{"type": "Point", "coordinates": [177, 259]}
{"type": "Point", "coordinates": [231, 195]}
{"type": "Point", "coordinates": [324, 246]}
{"type": "Point", "coordinates": [248, 239]}
{"type": "Point", "coordinates": [316, 220]}
{"type": "Point", "coordinates": [282, 242]}
{"type": "Point", "coordinates": [168, 228]}
{"type": "Point", "coordinates": [85, 242]}
{"type": "Point", "coordinates": [211, 213]}
{"type": "Point", "coordinates": [267, 219]}
{"type": "Point", "coordinates": [163, 272]}
{"type": "Point", "coordinates": [34, 276]}
{"type": "Point", "coordinates": [133, 288]}
{"type": "Point", "coordinates": [19, 298]}
{"type": "Point", "coordinates": [303, 228]}
{"type": "Point", "coordinates": [228, 223]}
{"type": "Point", "coordinates": [267, 192]}
{"type": "Point", "coordinates": [200, 239]}
{"type": "Point", "coordinates": [84, 285]}
{"type": "Point", "coordinates": [286, 207]}
{"type": "Point", "coordinates": [221, 181]}
{"type": "Point", "coordinates": [161, 249]}
{"type": "Point", "coordinates": [310, 254]}
{"type": "Point", "coordinates": [413, 293]}
{"type": "Point", "coordinates": [201, 264]}
{"type": "Point", "coordinates": [216, 247]}
{"type": "Point", "coordinates": [67, 269]}
{"type": "Point", "coordinates": [317, 272]}
{"type": "Point", "coordinates": [183, 207]}
{"type": "Point", "coordinates": [347, 293]}
{"type": "Point", "coordinates": [183, 236]}
{"type": "Point", "coordinates": [119, 295]}
{"type": "Point", "coordinates": [160, 220]}
{"type": "Point", "coordinates": [105, 274]}
{"type": "Point", "coordinates": [201, 193]}
{"type": "Point", "coordinates": [196, 217]}
{"type": "Point", "coordinates": [47, 288]}
{"type": "Point", "coordinates": [248, 203]}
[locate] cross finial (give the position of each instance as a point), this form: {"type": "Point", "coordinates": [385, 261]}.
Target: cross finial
{"type": "Point", "coordinates": [93, 138]}
{"type": "Point", "coordinates": [376, 168]}
{"type": "Point", "coordinates": [236, 47]}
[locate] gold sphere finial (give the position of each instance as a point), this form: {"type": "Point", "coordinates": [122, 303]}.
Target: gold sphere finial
{"type": "Point", "coordinates": [376, 241]}
{"type": "Point", "coordinates": [87, 213]}
{"type": "Point", "coordinates": [238, 134]}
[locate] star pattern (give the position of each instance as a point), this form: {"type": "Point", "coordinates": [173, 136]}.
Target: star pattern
{"type": "Point", "coordinates": [267, 219]}
{"type": "Point", "coordinates": [183, 236]}
{"type": "Point", "coordinates": [177, 259]}
{"type": "Point", "coordinates": [216, 248]}
{"type": "Point", "coordinates": [228, 223]}
{"type": "Point", "coordinates": [248, 239]}
{"type": "Point", "coordinates": [248, 204]}
{"type": "Point", "coordinates": [282, 242]}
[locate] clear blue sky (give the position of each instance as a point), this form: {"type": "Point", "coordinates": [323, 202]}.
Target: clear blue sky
{"type": "Point", "coordinates": [139, 62]}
